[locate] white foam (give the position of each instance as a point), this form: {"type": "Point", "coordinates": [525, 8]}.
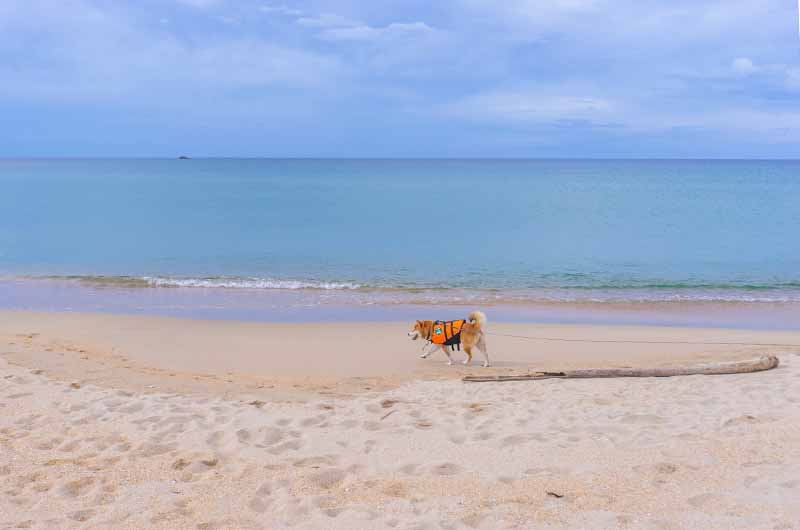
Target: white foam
{"type": "Point", "coordinates": [247, 283]}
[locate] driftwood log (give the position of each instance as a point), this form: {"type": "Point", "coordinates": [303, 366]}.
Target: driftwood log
{"type": "Point", "coordinates": [765, 362]}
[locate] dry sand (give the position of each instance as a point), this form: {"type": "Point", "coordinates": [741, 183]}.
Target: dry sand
{"type": "Point", "coordinates": [112, 422]}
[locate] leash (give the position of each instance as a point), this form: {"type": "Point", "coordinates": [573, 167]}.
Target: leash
{"type": "Point", "coordinates": [561, 339]}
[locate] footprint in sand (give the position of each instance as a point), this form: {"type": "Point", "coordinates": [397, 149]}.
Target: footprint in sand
{"type": "Point", "coordinates": [82, 515]}
{"type": "Point", "coordinates": [372, 408]}
{"type": "Point", "coordinates": [446, 469]}
{"type": "Point", "coordinates": [409, 469]}
{"type": "Point", "coordinates": [70, 446]}
{"type": "Point", "coordinates": [258, 505]}
{"type": "Point", "coordinates": [264, 490]}
{"type": "Point", "coordinates": [271, 435]}
{"type": "Point", "coordinates": [76, 488]}
{"type": "Point", "coordinates": [50, 444]}
{"type": "Point", "coordinates": [457, 439]}
{"type": "Point", "coordinates": [328, 478]}
{"type": "Point", "coordinates": [243, 435]}
{"type": "Point", "coordinates": [371, 425]}
{"type": "Point", "coordinates": [215, 438]}
{"type": "Point", "coordinates": [706, 500]}
{"type": "Point", "coordinates": [132, 408]}
{"type": "Point", "coordinates": [150, 449]}
{"type": "Point", "coordinates": [666, 468]}
{"type": "Point", "coordinates": [369, 445]}
{"type": "Point", "coordinates": [310, 422]}
{"type": "Point", "coordinates": [123, 447]}
{"type": "Point", "coordinates": [104, 498]}
{"type": "Point", "coordinates": [516, 440]}
{"type": "Point", "coordinates": [292, 445]}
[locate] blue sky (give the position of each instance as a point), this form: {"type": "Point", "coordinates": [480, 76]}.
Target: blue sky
{"type": "Point", "coordinates": [380, 78]}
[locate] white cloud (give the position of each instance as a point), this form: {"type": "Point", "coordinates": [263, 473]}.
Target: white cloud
{"type": "Point", "coordinates": [108, 54]}
{"type": "Point", "coordinates": [533, 105]}
{"type": "Point", "coordinates": [552, 105]}
{"type": "Point", "coordinates": [334, 27]}
{"type": "Point", "coordinates": [743, 66]}
{"type": "Point", "coordinates": [200, 3]}
{"type": "Point", "coordinates": [368, 33]}
{"type": "Point", "coordinates": [326, 20]}
{"type": "Point", "coordinates": [282, 10]}
{"type": "Point", "coordinates": [793, 78]}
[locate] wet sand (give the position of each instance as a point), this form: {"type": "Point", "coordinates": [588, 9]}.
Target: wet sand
{"type": "Point", "coordinates": [148, 422]}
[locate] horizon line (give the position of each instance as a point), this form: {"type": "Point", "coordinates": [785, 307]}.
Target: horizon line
{"type": "Point", "coordinates": [369, 158]}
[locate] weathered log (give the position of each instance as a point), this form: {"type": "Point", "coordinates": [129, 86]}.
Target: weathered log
{"type": "Point", "coordinates": [765, 362]}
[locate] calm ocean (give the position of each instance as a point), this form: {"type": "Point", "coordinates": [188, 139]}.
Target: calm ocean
{"type": "Point", "coordinates": [304, 233]}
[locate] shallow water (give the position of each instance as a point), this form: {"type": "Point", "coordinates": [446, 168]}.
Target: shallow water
{"type": "Point", "coordinates": [411, 232]}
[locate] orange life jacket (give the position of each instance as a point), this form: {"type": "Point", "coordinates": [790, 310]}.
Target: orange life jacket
{"type": "Point", "coordinates": [447, 333]}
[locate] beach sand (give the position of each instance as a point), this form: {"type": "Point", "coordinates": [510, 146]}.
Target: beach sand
{"type": "Point", "coordinates": [130, 422]}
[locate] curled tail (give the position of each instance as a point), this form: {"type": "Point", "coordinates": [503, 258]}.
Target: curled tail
{"type": "Point", "coordinates": [477, 317]}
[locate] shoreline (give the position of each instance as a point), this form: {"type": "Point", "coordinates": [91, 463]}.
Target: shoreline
{"type": "Point", "coordinates": [319, 305]}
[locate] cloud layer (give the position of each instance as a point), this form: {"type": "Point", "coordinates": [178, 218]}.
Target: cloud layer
{"type": "Point", "coordinates": [378, 78]}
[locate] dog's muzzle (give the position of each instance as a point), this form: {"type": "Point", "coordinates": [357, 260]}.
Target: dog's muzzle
{"type": "Point", "coordinates": [414, 335]}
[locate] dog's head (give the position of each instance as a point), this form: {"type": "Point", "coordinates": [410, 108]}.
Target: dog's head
{"type": "Point", "coordinates": [420, 330]}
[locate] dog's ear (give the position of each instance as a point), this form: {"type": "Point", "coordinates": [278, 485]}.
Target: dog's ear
{"type": "Point", "coordinates": [418, 324]}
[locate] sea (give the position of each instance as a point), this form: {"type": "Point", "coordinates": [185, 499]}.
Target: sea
{"type": "Point", "coordinates": [674, 242]}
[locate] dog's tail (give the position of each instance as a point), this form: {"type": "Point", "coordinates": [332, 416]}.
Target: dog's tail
{"type": "Point", "coordinates": [477, 317]}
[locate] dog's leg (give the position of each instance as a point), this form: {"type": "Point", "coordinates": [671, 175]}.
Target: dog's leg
{"type": "Point", "coordinates": [426, 351]}
{"type": "Point", "coordinates": [468, 351]}
{"type": "Point", "coordinates": [446, 351]}
{"type": "Point", "coordinates": [482, 347]}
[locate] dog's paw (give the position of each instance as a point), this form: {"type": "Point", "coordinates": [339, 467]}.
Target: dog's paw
{"type": "Point", "coordinates": [486, 364]}
{"type": "Point", "coordinates": [423, 356]}
{"type": "Point", "coordinates": [465, 361]}
{"type": "Point", "coordinates": [449, 363]}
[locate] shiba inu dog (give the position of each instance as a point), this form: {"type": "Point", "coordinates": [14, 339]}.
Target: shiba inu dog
{"type": "Point", "coordinates": [446, 335]}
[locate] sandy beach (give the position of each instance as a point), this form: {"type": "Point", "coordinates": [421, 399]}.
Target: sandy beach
{"type": "Point", "coordinates": [143, 422]}
{"type": "Point", "coordinates": [221, 219]}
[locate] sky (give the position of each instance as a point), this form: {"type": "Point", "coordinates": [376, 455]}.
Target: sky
{"type": "Point", "coordinates": [400, 78]}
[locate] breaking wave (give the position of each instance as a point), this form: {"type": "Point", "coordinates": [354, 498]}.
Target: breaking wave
{"type": "Point", "coordinates": [208, 282]}
{"type": "Point", "coordinates": [457, 293]}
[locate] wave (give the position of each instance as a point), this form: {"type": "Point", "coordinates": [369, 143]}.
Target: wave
{"type": "Point", "coordinates": [351, 292]}
{"type": "Point", "coordinates": [207, 282]}
{"type": "Point", "coordinates": [248, 283]}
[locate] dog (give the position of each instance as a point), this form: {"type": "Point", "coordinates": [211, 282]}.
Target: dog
{"type": "Point", "coordinates": [471, 336]}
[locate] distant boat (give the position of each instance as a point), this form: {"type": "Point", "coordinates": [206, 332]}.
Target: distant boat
{"type": "Point", "coordinates": [184, 157]}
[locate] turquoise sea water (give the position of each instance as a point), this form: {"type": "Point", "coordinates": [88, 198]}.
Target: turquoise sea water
{"type": "Point", "coordinates": [410, 231]}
